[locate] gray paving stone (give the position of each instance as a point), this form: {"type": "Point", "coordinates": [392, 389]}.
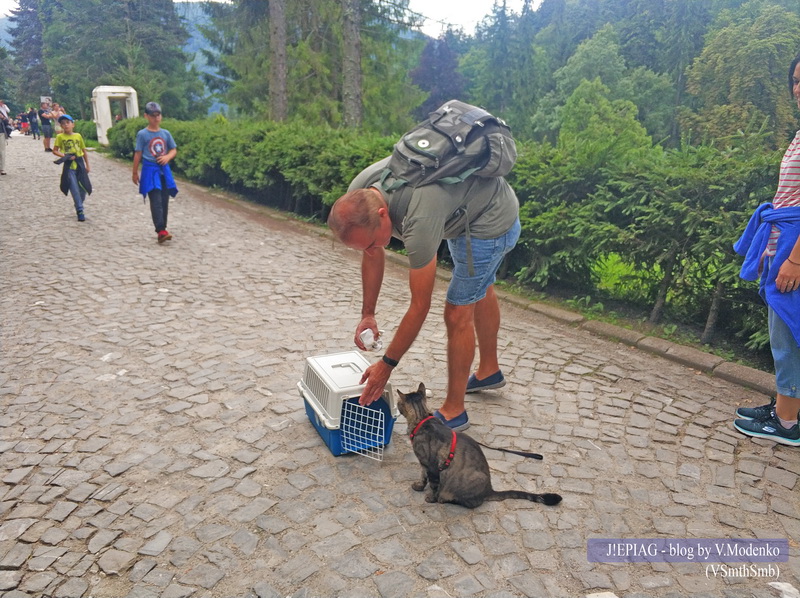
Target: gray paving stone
{"type": "Point", "coordinates": [141, 568]}
{"type": "Point", "coordinates": [252, 510]}
{"type": "Point", "coordinates": [214, 469]}
{"type": "Point", "coordinates": [37, 583]}
{"type": "Point", "coordinates": [394, 584]}
{"type": "Point", "coordinates": [528, 584]}
{"type": "Point", "coordinates": [265, 590]}
{"type": "Point", "coordinates": [115, 561]}
{"type": "Point", "coordinates": [142, 592]}
{"type": "Point", "coordinates": [157, 544]}
{"type": "Point", "coordinates": [9, 580]}
{"type": "Point", "coordinates": [437, 566]}
{"type": "Point", "coordinates": [72, 588]}
{"type": "Point", "coordinates": [213, 532]}
{"type": "Point", "coordinates": [61, 510]}
{"type": "Point", "coordinates": [17, 475]}
{"type": "Point", "coordinates": [183, 548]}
{"type": "Point", "coordinates": [14, 528]}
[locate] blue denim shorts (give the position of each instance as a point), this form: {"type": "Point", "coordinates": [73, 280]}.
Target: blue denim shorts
{"type": "Point", "coordinates": [786, 355]}
{"type": "Point", "coordinates": [487, 254]}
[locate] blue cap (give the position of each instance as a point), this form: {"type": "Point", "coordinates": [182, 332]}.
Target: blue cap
{"type": "Point", "coordinates": [66, 116]}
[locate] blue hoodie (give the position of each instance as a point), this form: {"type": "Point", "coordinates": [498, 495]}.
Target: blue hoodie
{"type": "Point", "coordinates": [151, 178]}
{"type": "Point", "coordinates": [752, 245]}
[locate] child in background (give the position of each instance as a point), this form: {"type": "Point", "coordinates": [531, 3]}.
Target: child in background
{"type": "Point", "coordinates": [155, 148]}
{"type": "Point", "coordinates": [71, 149]}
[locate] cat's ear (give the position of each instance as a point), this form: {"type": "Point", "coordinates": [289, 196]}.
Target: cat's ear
{"type": "Point", "coordinates": [421, 389]}
{"type": "Point", "coordinates": [401, 395]}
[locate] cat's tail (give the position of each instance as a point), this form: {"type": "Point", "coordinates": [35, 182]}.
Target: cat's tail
{"type": "Point", "coordinates": [505, 450]}
{"type": "Point", "coordinates": [548, 498]}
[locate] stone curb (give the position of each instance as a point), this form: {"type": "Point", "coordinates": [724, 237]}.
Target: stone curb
{"type": "Point", "coordinates": [707, 363]}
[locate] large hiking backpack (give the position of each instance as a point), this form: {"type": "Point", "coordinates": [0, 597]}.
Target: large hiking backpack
{"type": "Point", "coordinates": [455, 142]}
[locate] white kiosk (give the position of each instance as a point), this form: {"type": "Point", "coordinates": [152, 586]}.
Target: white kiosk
{"type": "Point", "coordinates": [102, 97]}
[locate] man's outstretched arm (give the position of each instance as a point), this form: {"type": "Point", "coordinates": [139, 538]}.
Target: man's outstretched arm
{"type": "Point", "coordinates": [421, 282]}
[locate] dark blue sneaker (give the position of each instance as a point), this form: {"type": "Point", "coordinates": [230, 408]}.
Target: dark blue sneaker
{"type": "Point", "coordinates": [758, 413]}
{"type": "Point", "coordinates": [81, 217]}
{"type": "Point", "coordinates": [769, 428]}
{"type": "Point", "coordinates": [458, 423]}
{"type": "Point", "coordinates": [496, 380]}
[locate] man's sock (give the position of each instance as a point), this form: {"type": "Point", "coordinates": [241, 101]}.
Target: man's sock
{"type": "Point", "coordinates": [787, 423]}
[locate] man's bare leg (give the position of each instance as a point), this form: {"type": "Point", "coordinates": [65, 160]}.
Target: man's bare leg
{"type": "Point", "coordinates": [487, 327]}
{"type": "Point", "coordinates": [459, 320]}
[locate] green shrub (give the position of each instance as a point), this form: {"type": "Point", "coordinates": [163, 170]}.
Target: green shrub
{"type": "Point", "coordinates": [87, 129]}
{"type": "Point", "coordinates": [122, 136]}
{"type": "Point", "coordinates": [294, 166]}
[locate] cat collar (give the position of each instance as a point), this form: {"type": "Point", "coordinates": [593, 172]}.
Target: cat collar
{"type": "Point", "coordinates": [452, 452]}
{"type": "Point", "coordinates": [419, 425]}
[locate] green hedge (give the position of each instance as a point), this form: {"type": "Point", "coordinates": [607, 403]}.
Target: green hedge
{"type": "Point", "coordinates": [87, 129]}
{"type": "Point", "coordinates": [295, 166]}
{"type": "Point", "coordinates": [666, 220]}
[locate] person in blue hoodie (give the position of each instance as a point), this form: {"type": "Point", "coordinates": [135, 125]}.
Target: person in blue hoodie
{"type": "Point", "coordinates": [155, 149]}
{"type": "Point", "coordinates": [771, 246]}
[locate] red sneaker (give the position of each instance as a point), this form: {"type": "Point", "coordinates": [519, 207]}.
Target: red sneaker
{"type": "Point", "coordinates": [164, 236]}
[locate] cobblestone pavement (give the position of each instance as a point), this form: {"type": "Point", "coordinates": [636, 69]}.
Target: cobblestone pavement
{"type": "Point", "coordinates": [153, 442]}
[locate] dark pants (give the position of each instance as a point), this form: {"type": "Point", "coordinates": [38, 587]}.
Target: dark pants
{"type": "Point", "coordinates": [78, 193]}
{"type": "Point", "coordinates": [159, 206]}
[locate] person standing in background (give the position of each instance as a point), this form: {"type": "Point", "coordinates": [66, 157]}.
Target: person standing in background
{"type": "Point", "coordinates": [33, 121]}
{"type": "Point", "coordinates": [46, 118]}
{"type": "Point", "coordinates": [3, 143]}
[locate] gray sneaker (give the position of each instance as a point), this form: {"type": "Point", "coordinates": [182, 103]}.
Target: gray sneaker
{"type": "Point", "coordinates": [769, 428]}
{"type": "Point", "coordinates": [757, 413]}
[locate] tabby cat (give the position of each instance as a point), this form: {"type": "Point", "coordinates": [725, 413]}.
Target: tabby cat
{"type": "Point", "coordinates": [452, 462]}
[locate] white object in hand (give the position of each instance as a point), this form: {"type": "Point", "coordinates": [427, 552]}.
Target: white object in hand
{"type": "Point", "coordinates": [370, 342]}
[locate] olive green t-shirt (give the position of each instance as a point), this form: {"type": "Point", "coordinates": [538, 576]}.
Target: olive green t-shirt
{"type": "Point", "coordinates": [437, 212]}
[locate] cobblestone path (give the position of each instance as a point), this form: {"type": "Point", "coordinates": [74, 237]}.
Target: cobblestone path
{"type": "Point", "coordinates": [153, 442]}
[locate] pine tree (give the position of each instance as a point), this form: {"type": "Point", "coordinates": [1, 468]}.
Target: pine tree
{"type": "Point", "coordinates": [33, 80]}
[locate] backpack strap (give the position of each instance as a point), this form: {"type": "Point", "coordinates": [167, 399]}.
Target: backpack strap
{"type": "Point", "coordinates": [448, 180]}
{"type": "Point", "coordinates": [398, 206]}
{"type": "Point", "coordinates": [452, 180]}
{"type": "Point", "coordinates": [393, 186]}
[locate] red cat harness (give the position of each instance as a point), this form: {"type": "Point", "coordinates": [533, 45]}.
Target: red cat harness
{"type": "Point", "coordinates": [452, 453]}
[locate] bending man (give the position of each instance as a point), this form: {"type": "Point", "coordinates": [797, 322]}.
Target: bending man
{"type": "Point", "coordinates": [479, 218]}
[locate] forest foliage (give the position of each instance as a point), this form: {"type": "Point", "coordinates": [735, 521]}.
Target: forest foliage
{"type": "Point", "coordinates": [648, 129]}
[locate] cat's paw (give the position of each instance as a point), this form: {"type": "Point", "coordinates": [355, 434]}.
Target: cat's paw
{"type": "Point", "coordinates": [418, 486]}
{"type": "Point", "coordinates": [431, 498]}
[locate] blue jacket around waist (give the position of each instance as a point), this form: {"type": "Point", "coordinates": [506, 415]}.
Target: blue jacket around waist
{"type": "Point", "coordinates": [151, 178]}
{"type": "Point", "coordinates": [752, 245]}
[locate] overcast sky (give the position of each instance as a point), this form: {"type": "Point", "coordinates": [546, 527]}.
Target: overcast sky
{"type": "Point", "coordinates": [463, 13]}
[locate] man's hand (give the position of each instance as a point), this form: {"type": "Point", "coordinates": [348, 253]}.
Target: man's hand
{"type": "Point", "coordinates": [367, 322]}
{"type": "Point", "coordinates": [135, 178]}
{"type": "Point", "coordinates": [376, 376]}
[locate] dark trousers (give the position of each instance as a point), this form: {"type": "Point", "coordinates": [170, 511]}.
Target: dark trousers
{"type": "Point", "coordinates": [159, 206]}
